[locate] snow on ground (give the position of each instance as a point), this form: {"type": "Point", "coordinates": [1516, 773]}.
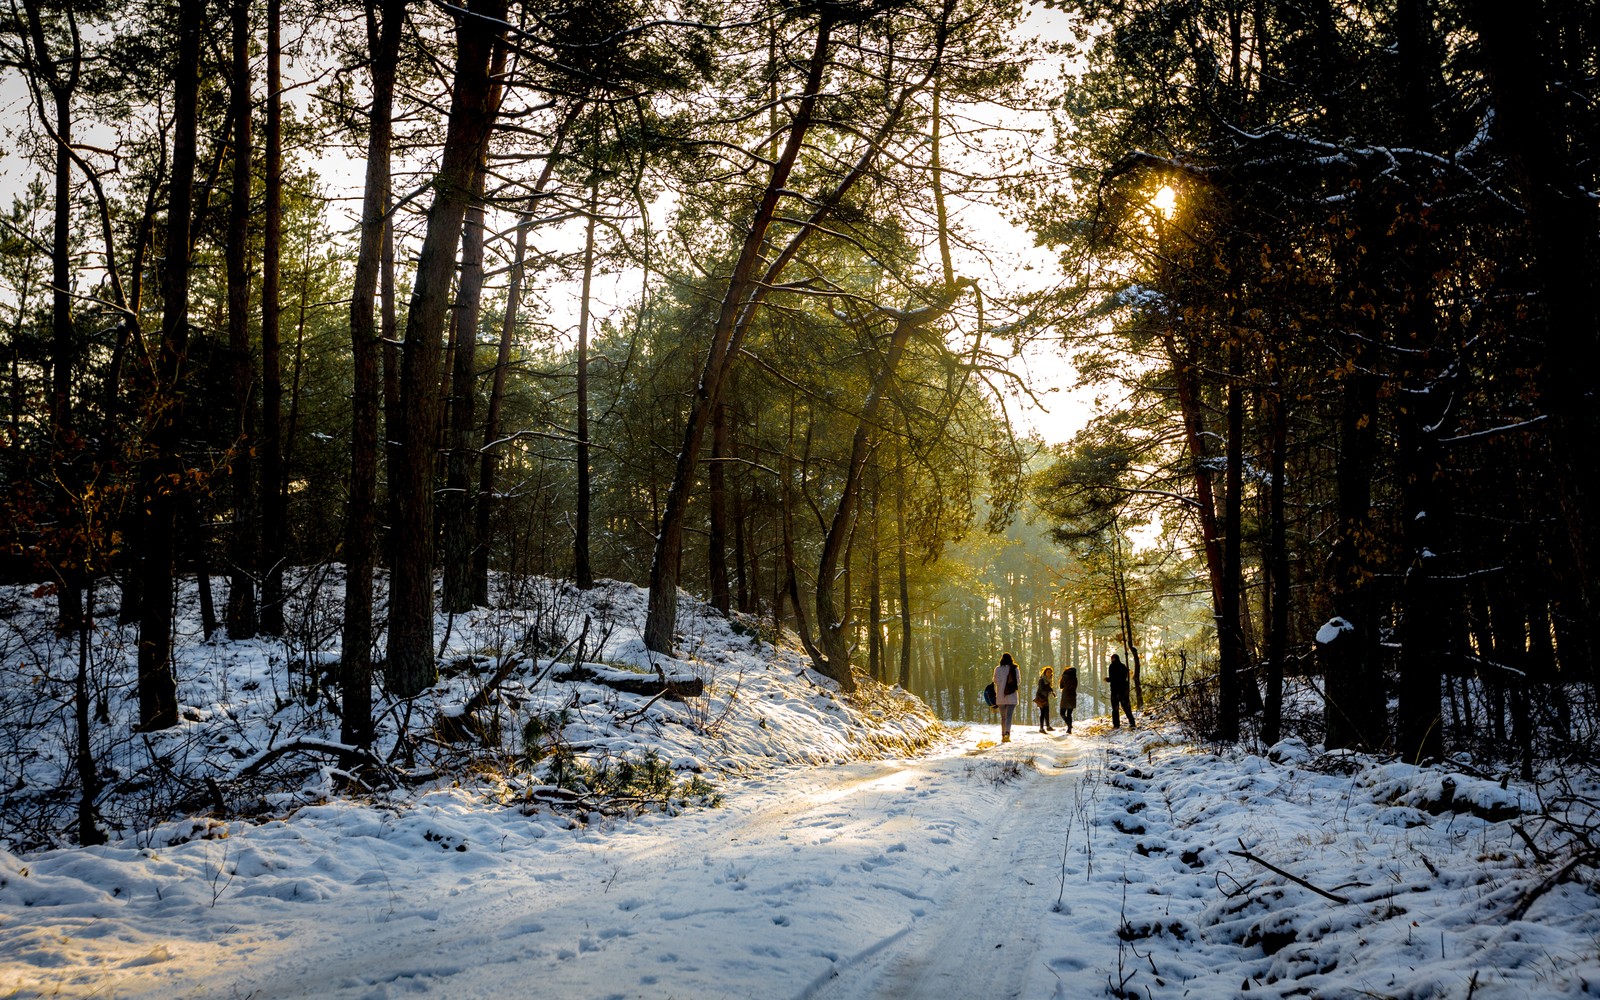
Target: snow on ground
{"type": "Point", "coordinates": [1055, 866]}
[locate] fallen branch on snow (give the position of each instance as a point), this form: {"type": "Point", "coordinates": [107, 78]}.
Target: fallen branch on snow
{"type": "Point", "coordinates": [1244, 852]}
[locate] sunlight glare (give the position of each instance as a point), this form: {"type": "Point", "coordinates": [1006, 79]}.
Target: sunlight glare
{"type": "Point", "coordinates": [1165, 201]}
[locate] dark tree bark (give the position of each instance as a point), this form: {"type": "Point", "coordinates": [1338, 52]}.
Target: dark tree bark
{"type": "Point", "coordinates": [1277, 559]}
{"type": "Point", "coordinates": [1354, 712]}
{"type": "Point", "coordinates": [384, 22]}
{"type": "Point", "coordinates": [411, 663]}
{"type": "Point", "coordinates": [1426, 397]}
{"type": "Point", "coordinates": [243, 536]}
{"type": "Point", "coordinates": [1230, 664]}
{"type": "Point", "coordinates": [274, 498]}
{"type": "Point", "coordinates": [717, 537]}
{"type": "Point", "coordinates": [582, 570]}
{"type": "Point", "coordinates": [162, 468]}
{"type": "Point", "coordinates": [56, 79]}
{"type": "Point", "coordinates": [456, 506]}
{"type": "Point", "coordinates": [1563, 222]}
{"type": "Point", "coordinates": [1355, 698]}
{"type": "Point", "coordinates": [389, 351]}
{"type": "Point", "coordinates": [487, 456]}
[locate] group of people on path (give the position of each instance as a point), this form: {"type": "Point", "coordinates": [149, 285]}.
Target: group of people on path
{"type": "Point", "coordinates": [1008, 682]}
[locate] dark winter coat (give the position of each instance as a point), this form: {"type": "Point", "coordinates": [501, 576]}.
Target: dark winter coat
{"type": "Point", "coordinates": [1117, 672]}
{"type": "Point", "coordinates": [1069, 686]}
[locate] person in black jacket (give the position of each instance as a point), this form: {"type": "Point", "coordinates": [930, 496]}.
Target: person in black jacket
{"type": "Point", "coordinates": [1117, 677]}
{"type": "Point", "coordinates": [1069, 695]}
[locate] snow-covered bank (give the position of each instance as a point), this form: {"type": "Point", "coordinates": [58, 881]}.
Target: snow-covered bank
{"type": "Point", "coordinates": [1103, 863]}
{"type": "Point", "coordinates": [1055, 866]}
{"type": "Point", "coordinates": [244, 702]}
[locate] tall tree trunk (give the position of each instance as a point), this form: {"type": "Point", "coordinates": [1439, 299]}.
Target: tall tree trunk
{"type": "Point", "coordinates": [1563, 223]}
{"type": "Point", "coordinates": [1230, 666]}
{"type": "Point", "coordinates": [360, 529]}
{"type": "Point", "coordinates": [389, 351]}
{"type": "Point", "coordinates": [1277, 560]}
{"type": "Point", "coordinates": [874, 595]}
{"type": "Point", "coordinates": [1425, 400]}
{"type": "Point", "coordinates": [582, 570]}
{"type": "Point", "coordinates": [57, 79]}
{"type": "Point", "coordinates": [901, 560]}
{"type": "Point", "coordinates": [456, 506]}
{"type": "Point", "coordinates": [488, 454]}
{"type": "Point", "coordinates": [662, 612]}
{"type": "Point", "coordinates": [717, 537]}
{"type": "Point", "coordinates": [411, 657]}
{"type": "Point", "coordinates": [1185, 379]}
{"type": "Point", "coordinates": [163, 464]}
{"type": "Point", "coordinates": [274, 499]}
{"type": "Point", "coordinates": [1355, 703]}
{"type": "Point", "coordinates": [243, 538]}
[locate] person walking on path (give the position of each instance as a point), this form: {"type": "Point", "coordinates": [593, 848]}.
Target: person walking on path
{"type": "Point", "coordinates": [1069, 695]}
{"type": "Point", "coordinates": [1117, 677]}
{"type": "Point", "coordinates": [1007, 678]}
{"type": "Point", "coordinates": [1041, 697]}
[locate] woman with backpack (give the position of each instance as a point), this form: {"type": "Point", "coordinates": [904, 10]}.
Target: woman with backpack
{"type": "Point", "coordinates": [1041, 697]}
{"type": "Point", "coordinates": [1007, 678]}
{"type": "Point", "coordinates": [1069, 695]}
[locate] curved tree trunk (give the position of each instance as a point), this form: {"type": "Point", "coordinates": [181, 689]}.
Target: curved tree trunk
{"type": "Point", "coordinates": [662, 614]}
{"type": "Point", "coordinates": [831, 625]}
{"type": "Point", "coordinates": [456, 507]}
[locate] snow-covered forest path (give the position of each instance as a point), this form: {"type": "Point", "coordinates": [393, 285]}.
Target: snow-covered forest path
{"type": "Point", "coordinates": [1052, 868]}
{"type": "Point", "coordinates": [981, 931]}
{"type": "Point", "coordinates": [929, 877]}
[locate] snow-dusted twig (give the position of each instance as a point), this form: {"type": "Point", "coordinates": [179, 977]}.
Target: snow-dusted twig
{"type": "Point", "coordinates": [1244, 852]}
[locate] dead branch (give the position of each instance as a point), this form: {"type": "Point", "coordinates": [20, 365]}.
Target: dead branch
{"type": "Point", "coordinates": [1244, 852]}
{"type": "Point", "coordinates": [342, 751]}
{"type": "Point", "coordinates": [1555, 878]}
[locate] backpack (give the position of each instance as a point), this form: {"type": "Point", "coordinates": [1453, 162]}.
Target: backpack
{"type": "Point", "coordinates": [988, 695]}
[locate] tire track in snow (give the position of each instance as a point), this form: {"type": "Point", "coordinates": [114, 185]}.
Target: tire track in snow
{"type": "Point", "coordinates": [980, 936]}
